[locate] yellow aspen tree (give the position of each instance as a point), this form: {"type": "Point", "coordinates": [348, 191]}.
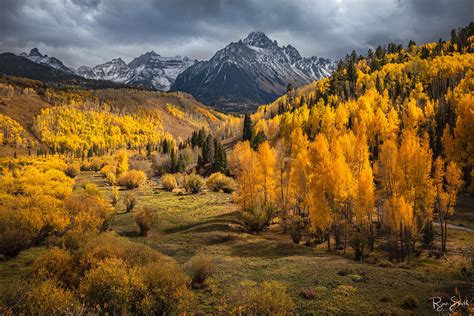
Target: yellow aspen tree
{"type": "Point", "coordinates": [447, 182]}
{"type": "Point", "coordinates": [297, 166]}
{"type": "Point", "coordinates": [416, 170]}
{"type": "Point", "coordinates": [340, 193]}
{"type": "Point", "coordinates": [246, 174]}
{"type": "Point", "coordinates": [365, 202]}
{"type": "Point", "coordinates": [320, 215]}
{"type": "Point", "coordinates": [266, 173]}
{"type": "Point", "coordinates": [122, 162]}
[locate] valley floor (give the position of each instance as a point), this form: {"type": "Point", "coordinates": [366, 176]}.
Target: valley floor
{"type": "Point", "coordinates": [208, 223]}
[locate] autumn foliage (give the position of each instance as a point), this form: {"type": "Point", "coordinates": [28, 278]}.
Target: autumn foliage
{"type": "Point", "coordinates": [359, 148]}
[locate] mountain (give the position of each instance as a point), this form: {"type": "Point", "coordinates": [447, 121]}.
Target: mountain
{"type": "Point", "coordinates": [250, 72]}
{"type": "Point", "coordinates": [149, 70]}
{"type": "Point", "coordinates": [53, 62]}
{"type": "Point", "coordinates": [19, 66]}
{"type": "Point", "coordinates": [13, 65]}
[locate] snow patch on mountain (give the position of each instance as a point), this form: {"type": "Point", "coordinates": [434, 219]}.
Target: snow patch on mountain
{"type": "Point", "coordinates": [149, 70]}
{"type": "Point", "coordinates": [38, 58]}
{"type": "Point", "coordinates": [253, 70]}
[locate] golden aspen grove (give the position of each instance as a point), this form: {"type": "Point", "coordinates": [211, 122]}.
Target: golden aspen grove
{"type": "Point", "coordinates": [352, 194]}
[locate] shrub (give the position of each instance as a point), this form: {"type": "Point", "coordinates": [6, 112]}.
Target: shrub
{"type": "Point", "coordinates": [199, 267]}
{"type": "Point", "coordinates": [295, 224]}
{"type": "Point", "coordinates": [108, 286]}
{"type": "Point", "coordinates": [267, 298]}
{"type": "Point", "coordinates": [16, 233]}
{"type": "Point", "coordinates": [130, 201]}
{"type": "Point", "coordinates": [345, 290]}
{"type": "Point", "coordinates": [359, 243]}
{"type": "Point", "coordinates": [94, 164]}
{"type": "Point", "coordinates": [86, 166]}
{"type": "Point", "coordinates": [90, 189]}
{"type": "Point", "coordinates": [110, 178]}
{"type": "Point", "coordinates": [72, 170]}
{"type": "Point", "coordinates": [217, 181]}
{"type": "Point", "coordinates": [145, 219]}
{"type": "Point", "coordinates": [193, 183]}
{"type": "Point", "coordinates": [37, 297]}
{"type": "Point", "coordinates": [49, 298]}
{"type": "Point", "coordinates": [410, 302]}
{"type": "Point", "coordinates": [115, 196]}
{"type": "Point", "coordinates": [256, 219]}
{"type": "Point", "coordinates": [109, 245]}
{"type": "Point", "coordinates": [97, 163]}
{"type": "Point", "coordinates": [106, 170]}
{"type": "Point", "coordinates": [161, 164]}
{"type": "Point", "coordinates": [122, 162]}
{"type": "Point", "coordinates": [142, 165]}
{"type": "Point", "coordinates": [163, 290]}
{"type": "Point", "coordinates": [56, 264]}
{"type": "Point", "coordinates": [386, 299]}
{"type": "Point", "coordinates": [308, 293]}
{"type": "Point", "coordinates": [132, 179]}
{"type": "Point", "coordinates": [90, 212]}
{"type": "Point", "coordinates": [169, 182]}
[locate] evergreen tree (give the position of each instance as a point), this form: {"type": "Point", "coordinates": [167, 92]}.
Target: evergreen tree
{"type": "Point", "coordinates": [247, 135]}
{"type": "Point", "coordinates": [165, 146]}
{"type": "Point", "coordinates": [195, 139]}
{"type": "Point", "coordinates": [180, 167]}
{"type": "Point", "coordinates": [220, 158]}
{"type": "Point", "coordinates": [201, 137]}
{"type": "Point", "coordinates": [173, 163]}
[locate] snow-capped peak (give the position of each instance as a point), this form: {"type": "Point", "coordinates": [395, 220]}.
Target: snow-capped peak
{"type": "Point", "coordinates": [38, 58]}
{"type": "Point", "coordinates": [259, 39]}
{"type": "Point", "coordinates": [35, 52]}
{"type": "Point", "coordinates": [253, 71]}
{"type": "Point", "coordinates": [149, 70]}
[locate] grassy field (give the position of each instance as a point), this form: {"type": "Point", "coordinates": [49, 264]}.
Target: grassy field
{"type": "Point", "coordinates": [208, 223]}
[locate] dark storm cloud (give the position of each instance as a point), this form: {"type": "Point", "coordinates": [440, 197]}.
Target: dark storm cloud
{"type": "Point", "coordinates": [92, 31]}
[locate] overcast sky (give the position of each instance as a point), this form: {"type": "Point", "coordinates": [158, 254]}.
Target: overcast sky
{"type": "Point", "coordinates": [87, 32]}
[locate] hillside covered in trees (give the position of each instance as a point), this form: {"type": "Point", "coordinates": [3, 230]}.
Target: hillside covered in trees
{"type": "Point", "coordinates": [35, 117]}
{"type": "Point", "coordinates": [381, 147]}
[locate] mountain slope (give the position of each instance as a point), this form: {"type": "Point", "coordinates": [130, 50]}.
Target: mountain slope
{"type": "Point", "coordinates": [149, 70]}
{"type": "Point", "coordinates": [53, 62]}
{"type": "Point", "coordinates": [19, 66]}
{"type": "Point", "coordinates": [250, 72]}
{"type": "Point", "coordinates": [177, 114]}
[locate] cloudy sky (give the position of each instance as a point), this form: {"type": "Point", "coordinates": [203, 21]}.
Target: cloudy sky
{"type": "Point", "coordinates": [87, 32]}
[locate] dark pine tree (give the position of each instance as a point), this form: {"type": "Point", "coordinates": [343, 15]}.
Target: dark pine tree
{"type": "Point", "coordinates": [165, 149]}
{"type": "Point", "coordinates": [247, 135]}
{"type": "Point", "coordinates": [180, 167]}
{"type": "Point", "coordinates": [173, 161]}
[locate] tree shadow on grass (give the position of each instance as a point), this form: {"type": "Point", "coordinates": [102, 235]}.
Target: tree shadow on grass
{"type": "Point", "coordinates": [272, 250]}
{"type": "Point", "coordinates": [214, 223]}
{"type": "Point", "coordinates": [130, 234]}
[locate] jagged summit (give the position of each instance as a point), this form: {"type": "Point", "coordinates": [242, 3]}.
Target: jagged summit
{"type": "Point", "coordinates": [259, 39]}
{"type": "Point", "coordinates": [37, 57]}
{"type": "Point", "coordinates": [150, 70]}
{"type": "Point", "coordinates": [35, 52]}
{"type": "Point", "coordinates": [252, 71]}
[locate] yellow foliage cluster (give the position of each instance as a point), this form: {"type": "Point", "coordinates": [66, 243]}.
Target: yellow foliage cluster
{"type": "Point", "coordinates": [12, 133]}
{"type": "Point", "coordinates": [69, 129]}
{"type": "Point", "coordinates": [326, 141]}
{"type": "Point", "coordinates": [37, 201]}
